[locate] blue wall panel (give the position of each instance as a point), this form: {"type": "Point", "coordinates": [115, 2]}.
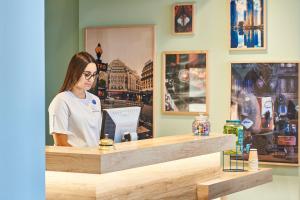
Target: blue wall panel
{"type": "Point", "coordinates": [22, 100]}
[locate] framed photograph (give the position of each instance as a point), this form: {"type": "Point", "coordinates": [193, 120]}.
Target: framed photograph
{"type": "Point", "coordinates": [128, 52]}
{"type": "Point", "coordinates": [247, 24]}
{"type": "Point", "coordinates": [183, 18]}
{"type": "Point", "coordinates": [184, 82]}
{"type": "Point", "coordinates": [264, 96]}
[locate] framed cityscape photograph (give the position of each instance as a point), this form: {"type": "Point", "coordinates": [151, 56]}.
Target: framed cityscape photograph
{"type": "Point", "coordinates": [247, 24]}
{"type": "Point", "coordinates": [183, 18]}
{"type": "Point", "coordinates": [184, 88]}
{"type": "Point", "coordinates": [264, 97]}
{"type": "Point", "coordinates": [127, 54]}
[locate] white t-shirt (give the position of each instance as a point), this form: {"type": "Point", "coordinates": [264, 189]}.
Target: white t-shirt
{"type": "Point", "coordinates": [80, 119]}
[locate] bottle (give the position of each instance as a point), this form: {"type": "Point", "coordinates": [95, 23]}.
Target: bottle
{"type": "Point", "coordinates": [201, 125]}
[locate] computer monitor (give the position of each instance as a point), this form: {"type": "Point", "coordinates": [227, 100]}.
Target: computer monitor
{"type": "Point", "coordinates": [116, 121]}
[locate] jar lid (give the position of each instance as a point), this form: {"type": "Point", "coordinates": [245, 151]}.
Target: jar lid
{"type": "Point", "coordinates": [202, 117]}
{"type": "Point", "coordinates": [233, 121]}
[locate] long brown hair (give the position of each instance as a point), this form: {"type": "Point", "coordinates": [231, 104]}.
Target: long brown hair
{"type": "Point", "coordinates": [75, 69]}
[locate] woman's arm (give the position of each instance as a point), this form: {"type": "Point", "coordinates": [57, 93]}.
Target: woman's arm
{"type": "Point", "coordinates": [61, 139]}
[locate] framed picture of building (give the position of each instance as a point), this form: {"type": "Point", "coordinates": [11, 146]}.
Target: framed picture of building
{"type": "Point", "coordinates": [264, 96]}
{"type": "Point", "coordinates": [183, 18]}
{"type": "Point", "coordinates": [127, 54]}
{"type": "Point", "coordinates": [247, 24]}
{"type": "Point", "coordinates": [184, 88]}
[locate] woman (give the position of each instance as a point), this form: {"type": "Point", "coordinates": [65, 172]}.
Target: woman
{"type": "Point", "coordinates": [75, 114]}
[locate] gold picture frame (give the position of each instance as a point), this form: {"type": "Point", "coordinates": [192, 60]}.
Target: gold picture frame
{"type": "Point", "coordinates": [268, 85]}
{"type": "Point", "coordinates": [184, 82]}
{"type": "Point", "coordinates": [247, 29]}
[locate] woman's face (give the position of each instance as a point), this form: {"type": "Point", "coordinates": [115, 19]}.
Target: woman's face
{"type": "Point", "coordinates": [88, 77]}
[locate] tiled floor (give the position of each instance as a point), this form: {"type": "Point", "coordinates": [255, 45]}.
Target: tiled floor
{"type": "Point", "coordinates": [285, 186]}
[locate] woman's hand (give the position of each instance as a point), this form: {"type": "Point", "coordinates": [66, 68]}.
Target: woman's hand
{"type": "Point", "coordinates": [61, 139]}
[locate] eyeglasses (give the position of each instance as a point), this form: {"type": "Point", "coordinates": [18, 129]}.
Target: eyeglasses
{"type": "Point", "coordinates": [88, 75]}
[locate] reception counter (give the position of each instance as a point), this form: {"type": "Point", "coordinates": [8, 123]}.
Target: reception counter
{"type": "Point", "coordinates": [172, 167]}
{"type": "Point", "coordinates": [135, 154]}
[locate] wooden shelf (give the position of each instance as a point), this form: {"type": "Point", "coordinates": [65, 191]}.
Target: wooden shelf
{"type": "Point", "coordinates": [230, 182]}
{"type": "Point", "coordinates": [135, 154]}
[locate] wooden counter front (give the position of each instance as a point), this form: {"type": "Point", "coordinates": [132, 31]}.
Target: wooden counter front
{"type": "Point", "coordinates": [192, 178]}
{"type": "Point", "coordinates": [169, 180]}
{"type": "Point", "coordinates": [135, 154]}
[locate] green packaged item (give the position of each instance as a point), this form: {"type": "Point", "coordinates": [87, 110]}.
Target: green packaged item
{"type": "Point", "coordinates": [235, 127]}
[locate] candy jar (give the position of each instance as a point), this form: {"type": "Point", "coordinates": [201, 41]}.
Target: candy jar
{"type": "Point", "coordinates": [201, 126]}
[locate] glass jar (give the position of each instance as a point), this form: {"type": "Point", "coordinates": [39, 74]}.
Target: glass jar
{"type": "Point", "coordinates": [106, 143]}
{"type": "Point", "coordinates": [201, 126]}
{"type": "Point", "coordinates": [235, 127]}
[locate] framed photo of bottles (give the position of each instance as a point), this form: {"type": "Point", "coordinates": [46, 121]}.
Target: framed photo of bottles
{"type": "Point", "coordinates": [247, 24]}
{"type": "Point", "coordinates": [265, 98]}
{"type": "Point", "coordinates": [184, 82]}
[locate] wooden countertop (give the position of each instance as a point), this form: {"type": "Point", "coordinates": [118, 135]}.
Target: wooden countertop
{"type": "Point", "coordinates": [137, 145]}
{"type": "Point", "coordinates": [135, 154]}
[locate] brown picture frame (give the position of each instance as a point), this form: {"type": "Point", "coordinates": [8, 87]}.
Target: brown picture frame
{"type": "Point", "coordinates": [183, 18]}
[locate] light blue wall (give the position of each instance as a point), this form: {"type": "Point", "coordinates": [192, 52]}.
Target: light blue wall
{"type": "Point", "coordinates": [22, 102]}
{"type": "Point", "coordinates": [283, 40]}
